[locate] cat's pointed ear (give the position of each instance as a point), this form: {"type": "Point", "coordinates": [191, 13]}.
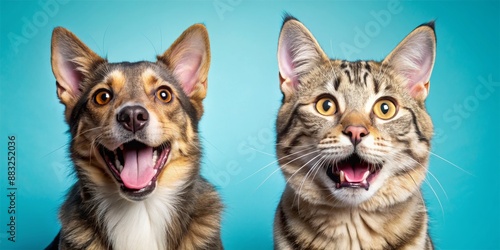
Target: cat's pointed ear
{"type": "Point", "coordinates": [72, 61]}
{"type": "Point", "coordinates": [298, 53]}
{"type": "Point", "coordinates": [189, 59]}
{"type": "Point", "coordinates": [413, 59]}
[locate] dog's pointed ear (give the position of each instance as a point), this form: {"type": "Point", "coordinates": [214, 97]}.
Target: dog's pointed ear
{"type": "Point", "coordinates": [298, 53]}
{"type": "Point", "coordinates": [413, 59]}
{"type": "Point", "coordinates": [72, 61]}
{"type": "Point", "coordinates": [189, 59]}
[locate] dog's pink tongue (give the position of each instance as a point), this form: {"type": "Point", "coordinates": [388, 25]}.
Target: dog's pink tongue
{"type": "Point", "coordinates": [138, 170]}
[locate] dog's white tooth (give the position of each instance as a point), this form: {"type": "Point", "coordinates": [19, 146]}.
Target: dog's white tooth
{"type": "Point", "coordinates": [342, 176]}
{"type": "Point", "coordinates": [155, 157]}
{"type": "Point", "coordinates": [119, 167]}
{"type": "Point", "coordinates": [121, 147]}
{"type": "Point", "coordinates": [117, 164]}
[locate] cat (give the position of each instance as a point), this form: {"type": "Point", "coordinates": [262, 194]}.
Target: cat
{"type": "Point", "coordinates": [353, 142]}
{"type": "Point", "coordinates": [135, 148]}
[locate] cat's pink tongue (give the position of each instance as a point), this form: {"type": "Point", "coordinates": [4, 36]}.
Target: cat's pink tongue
{"type": "Point", "coordinates": [357, 173]}
{"type": "Point", "coordinates": [138, 170]}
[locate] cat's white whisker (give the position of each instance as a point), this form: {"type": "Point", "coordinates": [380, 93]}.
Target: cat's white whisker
{"type": "Point", "coordinates": [425, 180]}
{"type": "Point", "coordinates": [451, 163]}
{"type": "Point", "coordinates": [269, 176]}
{"type": "Point", "coordinates": [439, 183]}
{"type": "Point", "coordinates": [312, 168]}
{"type": "Point", "coordinates": [315, 167]}
{"type": "Point", "coordinates": [284, 165]}
{"type": "Point", "coordinates": [312, 145]}
{"type": "Point", "coordinates": [437, 197]}
{"type": "Point", "coordinates": [416, 185]}
{"type": "Point", "coordinates": [271, 163]}
{"type": "Point", "coordinates": [445, 160]}
{"type": "Point", "coordinates": [260, 151]}
{"type": "Point", "coordinates": [303, 165]}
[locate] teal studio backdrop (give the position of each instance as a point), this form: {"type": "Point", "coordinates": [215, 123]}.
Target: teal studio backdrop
{"type": "Point", "coordinates": [462, 189]}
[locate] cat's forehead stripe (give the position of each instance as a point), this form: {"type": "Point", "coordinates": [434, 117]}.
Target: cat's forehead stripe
{"type": "Point", "coordinates": [336, 83]}
{"type": "Point", "coordinates": [358, 73]}
{"type": "Point", "coordinates": [376, 85]}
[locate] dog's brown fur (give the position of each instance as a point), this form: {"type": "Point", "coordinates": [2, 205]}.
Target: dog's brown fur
{"type": "Point", "coordinates": [178, 209]}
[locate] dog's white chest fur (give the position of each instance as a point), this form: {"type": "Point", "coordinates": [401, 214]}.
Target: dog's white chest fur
{"type": "Point", "coordinates": [137, 225]}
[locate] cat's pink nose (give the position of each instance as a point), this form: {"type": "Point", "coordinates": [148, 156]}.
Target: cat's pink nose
{"type": "Point", "coordinates": [356, 133]}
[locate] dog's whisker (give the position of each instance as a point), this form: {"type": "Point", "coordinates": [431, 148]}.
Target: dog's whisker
{"type": "Point", "coordinates": [68, 143]}
{"type": "Point", "coordinates": [211, 144]}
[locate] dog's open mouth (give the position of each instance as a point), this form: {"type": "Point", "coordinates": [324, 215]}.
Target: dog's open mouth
{"type": "Point", "coordinates": [136, 166]}
{"type": "Point", "coordinates": [353, 172]}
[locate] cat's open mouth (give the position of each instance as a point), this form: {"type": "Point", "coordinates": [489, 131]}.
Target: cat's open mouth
{"type": "Point", "coordinates": [353, 172]}
{"type": "Point", "coordinates": [136, 166]}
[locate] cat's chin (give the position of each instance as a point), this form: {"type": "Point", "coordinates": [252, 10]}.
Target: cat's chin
{"type": "Point", "coordinates": [353, 172]}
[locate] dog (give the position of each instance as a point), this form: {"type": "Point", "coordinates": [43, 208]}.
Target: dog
{"type": "Point", "coordinates": [135, 148]}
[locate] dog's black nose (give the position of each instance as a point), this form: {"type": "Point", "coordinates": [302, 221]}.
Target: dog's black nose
{"type": "Point", "coordinates": [133, 118]}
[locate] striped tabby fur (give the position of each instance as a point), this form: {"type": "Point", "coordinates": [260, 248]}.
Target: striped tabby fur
{"type": "Point", "coordinates": [135, 148]}
{"type": "Point", "coordinates": [353, 144]}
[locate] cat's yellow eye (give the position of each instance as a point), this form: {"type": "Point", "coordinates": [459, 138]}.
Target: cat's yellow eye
{"type": "Point", "coordinates": [163, 94]}
{"type": "Point", "coordinates": [385, 109]}
{"type": "Point", "coordinates": [103, 97]}
{"type": "Point", "coordinates": [326, 106]}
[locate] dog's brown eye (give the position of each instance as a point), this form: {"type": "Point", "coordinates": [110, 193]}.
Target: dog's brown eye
{"type": "Point", "coordinates": [102, 97]}
{"type": "Point", "coordinates": [164, 94]}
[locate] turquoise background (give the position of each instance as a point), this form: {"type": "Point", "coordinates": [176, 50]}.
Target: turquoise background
{"type": "Point", "coordinates": [462, 189]}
